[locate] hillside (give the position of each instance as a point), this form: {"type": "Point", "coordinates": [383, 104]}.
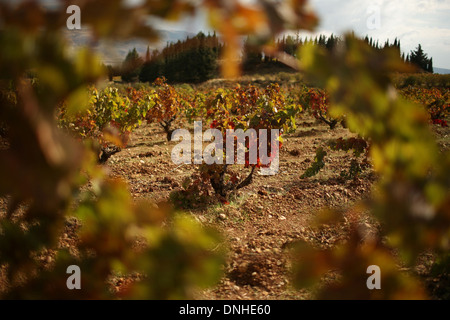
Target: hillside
{"type": "Point", "coordinates": [115, 52]}
{"type": "Point", "coordinates": [441, 71]}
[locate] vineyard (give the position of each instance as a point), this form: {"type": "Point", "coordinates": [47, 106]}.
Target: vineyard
{"type": "Point", "coordinates": [264, 216]}
{"type": "Point", "coordinates": [353, 171]}
{"type": "Point", "coordinates": [129, 130]}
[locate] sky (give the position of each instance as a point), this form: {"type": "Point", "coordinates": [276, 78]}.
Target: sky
{"type": "Point", "coordinates": [412, 21]}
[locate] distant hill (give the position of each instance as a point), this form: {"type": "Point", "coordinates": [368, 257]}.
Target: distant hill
{"type": "Point", "coordinates": [441, 70]}
{"type": "Point", "coordinates": [115, 52]}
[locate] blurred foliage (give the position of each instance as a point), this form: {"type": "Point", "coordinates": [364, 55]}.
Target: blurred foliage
{"type": "Point", "coordinates": [412, 196]}
{"type": "Point", "coordinates": [351, 261]}
{"type": "Point", "coordinates": [175, 260]}
{"type": "Point", "coordinates": [47, 176]}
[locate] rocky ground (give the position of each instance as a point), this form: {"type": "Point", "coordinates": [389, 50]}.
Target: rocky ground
{"type": "Point", "coordinates": [261, 221]}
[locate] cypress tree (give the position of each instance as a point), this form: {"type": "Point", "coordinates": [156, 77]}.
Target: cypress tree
{"type": "Point", "coordinates": [419, 58]}
{"type": "Point", "coordinates": [430, 65]}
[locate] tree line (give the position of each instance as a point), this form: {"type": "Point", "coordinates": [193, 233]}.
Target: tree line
{"type": "Point", "coordinates": [196, 59]}
{"type": "Point", "coordinates": [192, 60]}
{"type": "Point", "coordinates": [254, 58]}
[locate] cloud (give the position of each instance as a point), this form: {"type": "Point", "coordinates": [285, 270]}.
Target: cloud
{"type": "Point", "coordinates": [412, 21]}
